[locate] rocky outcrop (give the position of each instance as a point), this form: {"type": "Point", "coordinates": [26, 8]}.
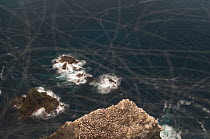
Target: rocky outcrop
{"type": "Point", "coordinates": [39, 103]}
{"type": "Point", "coordinates": [122, 121]}
{"type": "Point", "coordinates": [33, 101]}
{"type": "Point", "coordinates": [71, 70]}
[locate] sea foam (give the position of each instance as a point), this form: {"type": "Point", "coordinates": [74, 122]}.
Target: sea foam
{"type": "Point", "coordinates": [71, 70]}
{"type": "Point", "coordinates": [106, 83]}
{"type": "Point", "coordinates": [41, 113]}
{"type": "Point", "coordinates": [170, 132]}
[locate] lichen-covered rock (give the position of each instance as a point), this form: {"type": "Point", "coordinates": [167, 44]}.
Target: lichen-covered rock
{"type": "Point", "coordinates": [37, 104]}
{"type": "Point", "coordinates": [122, 121]}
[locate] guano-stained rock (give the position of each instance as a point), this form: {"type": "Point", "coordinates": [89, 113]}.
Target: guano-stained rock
{"type": "Point", "coordinates": [122, 121]}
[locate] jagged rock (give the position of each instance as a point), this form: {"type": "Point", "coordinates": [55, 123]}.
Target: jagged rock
{"type": "Point", "coordinates": [122, 121]}
{"type": "Point", "coordinates": [71, 70]}
{"type": "Point", "coordinates": [33, 101]}
{"type": "Point", "coordinates": [68, 59]}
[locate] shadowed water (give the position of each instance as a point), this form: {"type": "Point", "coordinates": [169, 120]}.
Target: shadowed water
{"type": "Point", "coordinates": [159, 48]}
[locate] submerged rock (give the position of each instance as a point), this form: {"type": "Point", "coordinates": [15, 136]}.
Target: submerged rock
{"type": "Point", "coordinates": [122, 121]}
{"type": "Point", "coordinates": [38, 103]}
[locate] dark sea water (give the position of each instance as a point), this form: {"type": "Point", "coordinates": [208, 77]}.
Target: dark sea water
{"type": "Point", "coordinates": [160, 49]}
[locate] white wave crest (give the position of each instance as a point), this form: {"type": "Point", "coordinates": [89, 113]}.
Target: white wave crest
{"type": "Point", "coordinates": [170, 133]}
{"type": "Point", "coordinates": [106, 83]}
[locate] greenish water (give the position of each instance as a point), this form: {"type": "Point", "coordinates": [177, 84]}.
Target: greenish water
{"type": "Point", "coordinates": [160, 49]}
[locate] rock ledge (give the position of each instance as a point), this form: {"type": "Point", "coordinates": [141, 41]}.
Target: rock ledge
{"type": "Point", "coordinates": [122, 121]}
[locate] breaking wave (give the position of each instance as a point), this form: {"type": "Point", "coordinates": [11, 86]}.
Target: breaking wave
{"type": "Point", "coordinates": [41, 113]}
{"type": "Point", "coordinates": [70, 69]}
{"type": "Point", "coordinates": [170, 133]}
{"type": "Point", "coordinates": [106, 83]}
